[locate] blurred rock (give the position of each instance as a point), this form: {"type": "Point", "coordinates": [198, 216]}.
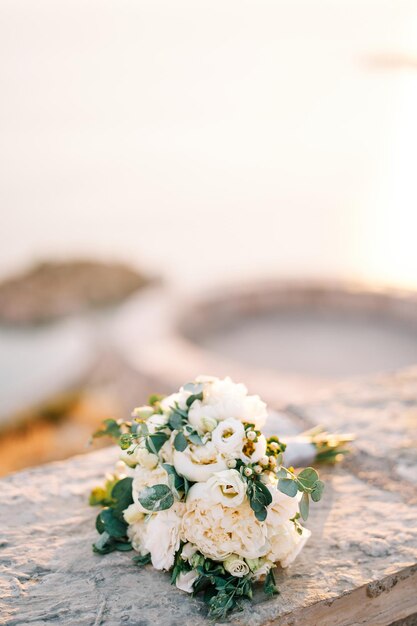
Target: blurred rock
{"type": "Point", "coordinates": [53, 289]}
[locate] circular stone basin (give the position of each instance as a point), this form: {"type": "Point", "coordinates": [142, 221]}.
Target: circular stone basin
{"type": "Point", "coordinates": [309, 331]}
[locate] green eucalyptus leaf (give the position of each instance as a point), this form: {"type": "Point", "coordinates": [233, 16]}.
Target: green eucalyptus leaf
{"type": "Point", "coordinates": [175, 421]}
{"type": "Point", "coordinates": [180, 442]}
{"type": "Point", "coordinates": [104, 544]}
{"type": "Point", "coordinates": [142, 560]}
{"type": "Point", "coordinates": [195, 439]}
{"type": "Point", "coordinates": [317, 491]}
{"type": "Point", "coordinates": [304, 506]}
{"type": "Point", "coordinates": [122, 495]}
{"type": "Point", "coordinates": [155, 442]}
{"type": "Point", "coordinates": [123, 546]}
{"type": "Point", "coordinates": [193, 398]}
{"type": "Point", "coordinates": [287, 486]}
{"type": "Point", "coordinates": [156, 498]}
{"type": "Point", "coordinates": [308, 477]}
{"type": "Point", "coordinates": [270, 587]}
{"type": "Point", "coordinates": [112, 524]}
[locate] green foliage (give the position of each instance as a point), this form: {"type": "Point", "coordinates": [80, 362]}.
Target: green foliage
{"type": "Point", "coordinates": [176, 482]}
{"type": "Point", "coordinates": [110, 523]}
{"type": "Point", "coordinates": [270, 587]}
{"type": "Point", "coordinates": [195, 438]}
{"type": "Point", "coordinates": [155, 399]}
{"type": "Point", "coordinates": [304, 506]}
{"type": "Point", "coordinates": [122, 495]}
{"type": "Point", "coordinates": [307, 482]}
{"type": "Point", "coordinates": [288, 486]}
{"type": "Point", "coordinates": [180, 442]}
{"type": "Point", "coordinates": [259, 497]}
{"type": "Point", "coordinates": [110, 428]}
{"type": "Point", "coordinates": [140, 561]}
{"type": "Point", "coordinates": [155, 442]}
{"type": "Point", "coordinates": [175, 421]}
{"type": "Point", "coordinates": [156, 498]}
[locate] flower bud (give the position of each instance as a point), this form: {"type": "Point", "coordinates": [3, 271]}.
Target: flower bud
{"type": "Point", "coordinates": [142, 412]}
{"type": "Point", "coordinates": [248, 471]}
{"type": "Point", "coordinates": [264, 461]}
{"type": "Point", "coordinates": [257, 469]}
{"type": "Point", "coordinates": [236, 566]}
{"type": "Point", "coordinates": [274, 446]}
{"type": "Point", "coordinates": [208, 424]}
{"type": "Point", "coordinates": [251, 435]}
{"type": "Point", "coordinates": [231, 463]}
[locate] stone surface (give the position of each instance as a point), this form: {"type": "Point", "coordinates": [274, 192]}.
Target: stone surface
{"type": "Point", "coordinates": [359, 567]}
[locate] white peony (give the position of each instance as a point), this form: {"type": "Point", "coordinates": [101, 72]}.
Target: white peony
{"type": "Point", "coordinates": [223, 399]}
{"type": "Point", "coordinates": [162, 538]}
{"type": "Point", "coordinates": [253, 451]}
{"type": "Point", "coordinates": [228, 436]}
{"type": "Point", "coordinates": [137, 533]}
{"type": "Point", "coordinates": [227, 488]}
{"type": "Point", "coordinates": [185, 580]}
{"type": "Point", "coordinates": [220, 531]}
{"type": "Point", "coordinates": [236, 566]}
{"type": "Point", "coordinates": [285, 543]}
{"type": "Point", "coordinates": [198, 463]}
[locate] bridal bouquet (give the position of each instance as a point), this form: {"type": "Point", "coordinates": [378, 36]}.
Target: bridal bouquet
{"type": "Point", "coordinates": [202, 493]}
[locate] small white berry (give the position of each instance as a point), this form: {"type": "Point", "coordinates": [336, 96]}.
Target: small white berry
{"type": "Point", "coordinates": [264, 461]}
{"type": "Point", "coordinates": [272, 461]}
{"type": "Point", "coordinates": [248, 471]}
{"type": "Point", "coordinates": [231, 463]}
{"type": "Point", "coordinates": [251, 435]}
{"type": "Point", "coordinates": [258, 469]}
{"type": "Point", "coordinates": [274, 446]}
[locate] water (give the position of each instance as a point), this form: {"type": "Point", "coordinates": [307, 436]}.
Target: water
{"type": "Point", "coordinates": [312, 344]}
{"type": "Point", "coordinates": [211, 141]}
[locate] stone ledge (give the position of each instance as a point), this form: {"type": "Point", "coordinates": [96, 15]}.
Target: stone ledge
{"type": "Point", "coordinates": [359, 567]}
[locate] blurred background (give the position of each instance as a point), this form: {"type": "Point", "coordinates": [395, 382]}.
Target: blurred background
{"type": "Point", "coordinates": [154, 153]}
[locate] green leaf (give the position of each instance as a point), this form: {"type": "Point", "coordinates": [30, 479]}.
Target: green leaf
{"type": "Point", "coordinates": [287, 486]}
{"type": "Point", "coordinates": [122, 495]}
{"type": "Point", "coordinates": [100, 524]}
{"type": "Point", "coordinates": [180, 442]}
{"type": "Point", "coordinates": [142, 560]}
{"type": "Point", "coordinates": [195, 439]}
{"type": "Point", "coordinates": [270, 587]}
{"type": "Point", "coordinates": [175, 421]}
{"type": "Point", "coordinates": [156, 498]}
{"type": "Point", "coordinates": [317, 491]}
{"type": "Point", "coordinates": [155, 442]}
{"type": "Point", "coordinates": [123, 546]}
{"type": "Point", "coordinates": [308, 477]}
{"type": "Point", "coordinates": [282, 473]}
{"type": "Point", "coordinates": [155, 399]}
{"type": "Point", "coordinates": [112, 525]}
{"type": "Point", "coordinates": [110, 429]}
{"type": "Point", "coordinates": [193, 398]}
{"type": "Point", "coordinates": [304, 506]}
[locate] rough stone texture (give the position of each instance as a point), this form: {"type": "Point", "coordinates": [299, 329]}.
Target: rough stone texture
{"type": "Point", "coordinates": [359, 567]}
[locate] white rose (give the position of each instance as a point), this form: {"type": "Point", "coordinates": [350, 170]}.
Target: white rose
{"type": "Point", "coordinates": [218, 531]}
{"type": "Point", "coordinates": [156, 422]}
{"type": "Point", "coordinates": [282, 508]}
{"type": "Point", "coordinates": [198, 463]}
{"type": "Point", "coordinates": [228, 436]}
{"type": "Point", "coordinates": [163, 536]}
{"type": "Point", "coordinates": [186, 580]}
{"type": "Point", "coordinates": [136, 533]}
{"type": "Point", "coordinates": [263, 568]}
{"type": "Point", "coordinates": [147, 459]}
{"type": "Point", "coordinates": [285, 543]}
{"type": "Point", "coordinates": [236, 566]}
{"type": "Point", "coordinates": [179, 398]}
{"type": "Point", "coordinates": [133, 514]}
{"type": "Point", "coordinates": [227, 488]}
{"type": "Point", "coordinates": [254, 450]}
{"type": "Point", "coordinates": [188, 551]}
{"type": "Point", "coordinates": [224, 399]}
